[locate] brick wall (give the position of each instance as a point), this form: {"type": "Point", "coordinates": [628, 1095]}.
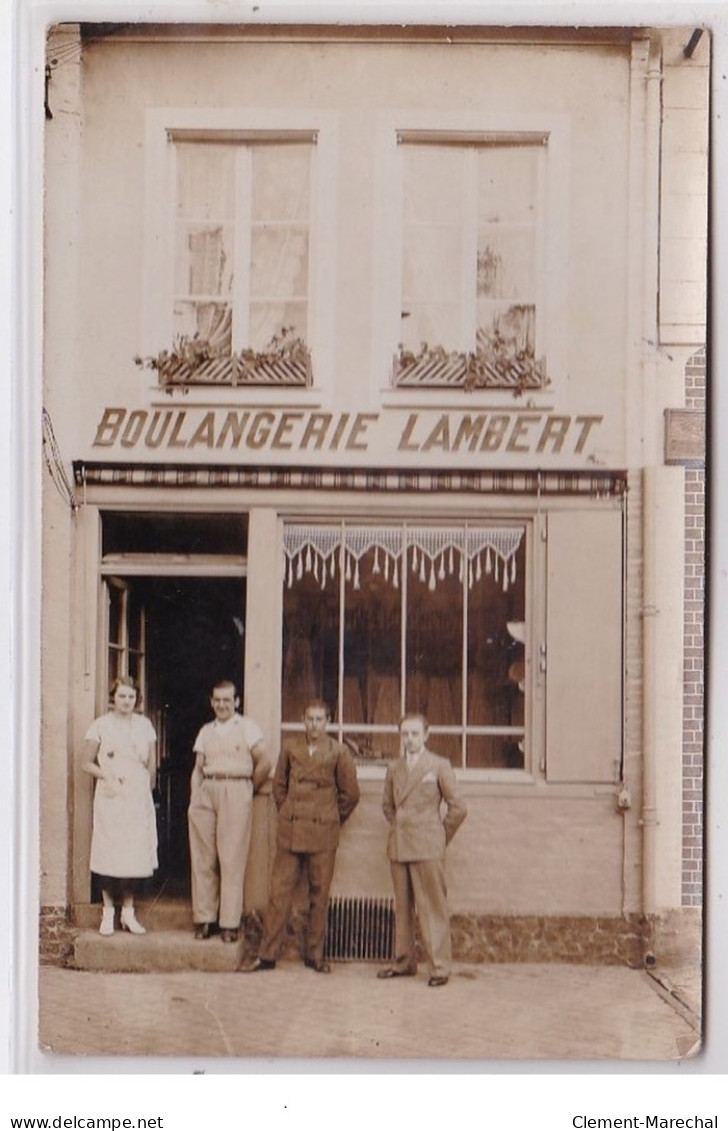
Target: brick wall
{"type": "Point", "coordinates": [693, 659]}
{"type": "Point", "coordinates": [55, 937]}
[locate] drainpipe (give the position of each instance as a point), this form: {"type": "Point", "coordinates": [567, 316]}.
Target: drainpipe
{"type": "Point", "coordinates": [649, 819]}
{"type": "Point", "coordinates": [650, 455]}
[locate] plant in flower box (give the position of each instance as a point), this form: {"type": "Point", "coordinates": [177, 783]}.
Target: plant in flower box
{"type": "Point", "coordinates": [194, 360]}
{"type": "Point", "coordinates": [496, 364]}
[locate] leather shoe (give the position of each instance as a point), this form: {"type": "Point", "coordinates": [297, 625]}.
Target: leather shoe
{"type": "Point", "coordinates": [320, 967]}
{"type": "Point", "coordinates": [204, 930]}
{"type": "Point", "coordinates": [393, 972]}
{"type": "Point", "coordinates": [229, 934]}
{"type": "Point", "coordinates": [438, 980]}
{"type": "Point", "coordinates": [259, 964]}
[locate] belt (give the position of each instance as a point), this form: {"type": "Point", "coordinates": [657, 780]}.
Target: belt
{"type": "Point", "coordinates": [226, 777]}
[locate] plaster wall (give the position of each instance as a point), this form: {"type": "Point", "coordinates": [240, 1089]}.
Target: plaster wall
{"type": "Point", "coordinates": [530, 855]}
{"type": "Point", "coordinates": [63, 158]}
{"type": "Point", "coordinates": [581, 92]}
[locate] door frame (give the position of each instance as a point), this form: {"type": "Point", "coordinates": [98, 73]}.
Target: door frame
{"type": "Point", "coordinates": [123, 567]}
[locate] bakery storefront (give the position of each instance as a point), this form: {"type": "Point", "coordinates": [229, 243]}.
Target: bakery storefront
{"type": "Point", "coordinates": [353, 390]}
{"type": "Point", "coordinates": [468, 595]}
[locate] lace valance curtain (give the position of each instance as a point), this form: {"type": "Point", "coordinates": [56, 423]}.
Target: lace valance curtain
{"type": "Point", "coordinates": [433, 553]}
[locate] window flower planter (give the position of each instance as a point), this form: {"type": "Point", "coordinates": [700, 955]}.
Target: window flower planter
{"type": "Point", "coordinates": [498, 366]}
{"type": "Point", "coordinates": [194, 361]}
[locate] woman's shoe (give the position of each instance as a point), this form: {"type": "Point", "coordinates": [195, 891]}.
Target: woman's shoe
{"type": "Point", "coordinates": [107, 921]}
{"type": "Point", "coordinates": [129, 922]}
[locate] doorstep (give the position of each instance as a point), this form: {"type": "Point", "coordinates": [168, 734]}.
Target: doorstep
{"type": "Point", "coordinates": [155, 914]}
{"type": "Point", "coordinates": [165, 951]}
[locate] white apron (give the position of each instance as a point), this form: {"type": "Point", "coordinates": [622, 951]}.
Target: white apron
{"type": "Point", "coordinates": [124, 839]}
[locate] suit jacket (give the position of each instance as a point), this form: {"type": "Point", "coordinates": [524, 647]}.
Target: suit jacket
{"type": "Point", "coordinates": [412, 804]}
{"type": "Point", "coordinates": [314, 794]}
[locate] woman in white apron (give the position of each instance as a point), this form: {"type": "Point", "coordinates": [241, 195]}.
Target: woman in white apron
{"type": "Point", "coordinates": [119, 751]}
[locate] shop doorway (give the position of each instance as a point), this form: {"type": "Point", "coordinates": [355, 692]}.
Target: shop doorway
{"type": "Point", "coordinates": [186, 633]}
{"type": "Point", "coordinates": [195, 637]}
{"type": "Point", "coordinates": [174, 620]}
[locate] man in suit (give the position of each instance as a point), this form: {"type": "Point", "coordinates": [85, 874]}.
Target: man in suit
{"type": "Point", "coordinates": [415, 789]}
{"type": "Point", "coordinates": [315, 789]}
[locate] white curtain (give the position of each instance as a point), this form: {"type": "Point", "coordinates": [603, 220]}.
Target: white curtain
{"type": "Point", "coordinates": [434, 552]}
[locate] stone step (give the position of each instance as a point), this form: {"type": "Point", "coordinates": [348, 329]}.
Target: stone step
{"type": "Point", "coordinates": [165, 951]}
{"type": "Point", "coordinates": [155, 915]}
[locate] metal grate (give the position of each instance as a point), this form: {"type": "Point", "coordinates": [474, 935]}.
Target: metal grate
{"type": "Point", "coordinates": [360, 928]}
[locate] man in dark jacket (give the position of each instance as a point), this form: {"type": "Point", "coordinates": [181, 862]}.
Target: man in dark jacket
{"type": "Point", "coordinates": [315, 790]}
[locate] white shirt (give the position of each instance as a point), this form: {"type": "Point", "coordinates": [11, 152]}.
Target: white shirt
{"type": "Point", "coordinates": [226, 746]}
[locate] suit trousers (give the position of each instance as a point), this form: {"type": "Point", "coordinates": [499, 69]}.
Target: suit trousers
{"type": "Point", "coordinates": [288, 868]}
{"type": "Point", "coordinates": [421, 884]}
{"type": "Point", "coordinates": [220, 819]}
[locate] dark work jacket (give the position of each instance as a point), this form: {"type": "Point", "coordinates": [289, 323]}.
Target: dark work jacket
{"type": "Point", "coordinates": [314, 794]}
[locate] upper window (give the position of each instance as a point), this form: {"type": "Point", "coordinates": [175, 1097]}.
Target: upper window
{"type": "Point", "coordinates": [472, 228]}
{"type": "Point", "coordinates": [240, 258]}
{"type": "Point", "coordinates": [383, 619]}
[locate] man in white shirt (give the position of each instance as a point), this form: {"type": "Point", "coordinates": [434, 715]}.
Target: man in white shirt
{"type": "Point", "coordinates": [231, 765]}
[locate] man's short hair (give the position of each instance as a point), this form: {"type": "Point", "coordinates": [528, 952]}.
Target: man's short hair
{"type": "Point", "coordinates": [223, 684]}
{"type": "Point", "coordinates": [317, 705]}
{"type": "Point", "coordinates": [415, 715]}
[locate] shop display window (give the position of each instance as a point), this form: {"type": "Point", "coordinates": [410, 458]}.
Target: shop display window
{"type": "Point", "coordinates": [383, 619]}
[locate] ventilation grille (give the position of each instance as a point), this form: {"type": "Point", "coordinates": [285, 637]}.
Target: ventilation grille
{"type": "Point", "coordinates": [360, 928]}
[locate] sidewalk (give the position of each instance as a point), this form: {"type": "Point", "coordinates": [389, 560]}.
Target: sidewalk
{"type": "Point", "coordinates": [500, 1012]}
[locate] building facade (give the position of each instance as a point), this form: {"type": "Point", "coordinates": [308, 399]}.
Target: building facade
{"type": "Point", "coordinates": [372, 372]}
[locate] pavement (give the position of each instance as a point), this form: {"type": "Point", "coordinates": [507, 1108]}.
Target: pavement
{"type": "Point", "coordinates": [502, 1012]}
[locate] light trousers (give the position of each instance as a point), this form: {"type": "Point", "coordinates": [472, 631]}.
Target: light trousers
{"type": "Point", "coordinates": [220, 819]}
{"type": "Point", "coordinates": [421, 884]}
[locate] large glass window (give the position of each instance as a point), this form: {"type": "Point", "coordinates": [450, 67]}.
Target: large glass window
{"type": "Point", "coordinates": [472, 224]}
{"type": "Point", "coordinates": [383, 619]}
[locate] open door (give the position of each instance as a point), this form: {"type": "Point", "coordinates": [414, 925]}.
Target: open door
{"type": "Point", "coordinates": [174, 620]}
{"type": "Point", "coordinates": [175, 636]}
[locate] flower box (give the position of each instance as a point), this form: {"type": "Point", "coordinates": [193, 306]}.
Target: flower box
{"type": "Point", "coordinates": [193, 361]}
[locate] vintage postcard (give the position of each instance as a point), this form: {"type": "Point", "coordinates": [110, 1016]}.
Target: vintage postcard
{"type": "Point", "coordinates": [373, 541]}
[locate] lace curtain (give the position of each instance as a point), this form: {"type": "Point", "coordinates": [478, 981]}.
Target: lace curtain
{"type": "Point", "coordinates": [432, 553]}
{"type": "Point", "coordinates": [220, 187]}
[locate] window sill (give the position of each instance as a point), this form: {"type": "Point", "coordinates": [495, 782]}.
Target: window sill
{"type": "Point", "coordinates": [534, 400]}
{"type": "Point", "coordinates": [516, 778]}
{"type": "Point", "coordinates": [235, 396]}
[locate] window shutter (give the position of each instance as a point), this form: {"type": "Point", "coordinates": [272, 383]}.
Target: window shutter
{"type": "Point", "coordinates": [584, 642]}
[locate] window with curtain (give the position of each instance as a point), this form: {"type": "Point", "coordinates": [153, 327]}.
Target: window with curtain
{"type": "Point", "coordinates": [472, 224]}
{"type": "Point", "coordinates": [384, 618]}
{"type": "Point", "coordinates": [241, 251]}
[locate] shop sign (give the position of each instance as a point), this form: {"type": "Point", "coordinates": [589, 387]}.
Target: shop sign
{"type": "Point", "coordinates": [198, 430]}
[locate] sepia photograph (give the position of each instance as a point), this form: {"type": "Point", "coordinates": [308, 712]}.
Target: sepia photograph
{"type": "Point", "coordinates": [373, 542]}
